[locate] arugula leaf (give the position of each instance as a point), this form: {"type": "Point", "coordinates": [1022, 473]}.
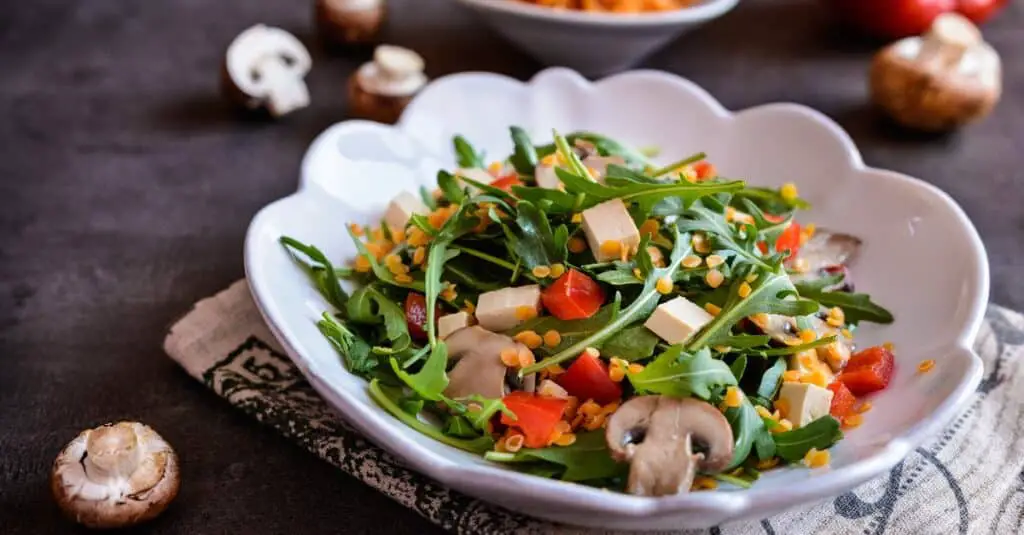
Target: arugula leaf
{"type": "Point", "coordinates": [431, 380]}
{"type": "Point", "coordinates": [368, 305]}
{"type": "Point", "coordinates": [678, 374]}
{"type": "Point", "coordinates": [466, 155]}
{"type": "Point", "coordinates": [711, 221]}
{"type": "Point", "coordinates": [478, 418]}
{"type": "Point", "coordinates": [771, 380]}
{"type": "Point", "coordinates": [640, 308]}
{"type": "Point", "coordinates": [793, 350]}
{"type": "Point", "coordinates": [749, 431]}
{"type": "Point", "coordinates": [819, 434]}
{"type": "Point", "coordinates": [378, 269]}
{"type": "Point", "coordinates": [459, 426]}
{"type": "Point", "coordinates": [632, 343]}
{"type": "Point", "coordinates": [770, 200]}
{"type": "Point", "coordinates": [355, 351]}
{"type": "Point", "coordinates": [856, 307]}
{"type": "Point", "coordinates": [738, 367]}
{"type": "Point", "coordinates": [450, 186]}
{"type": "Point", "coordinates": [605, 146]}
{"type": "Point", "coordinates": [477, 445]}
{"type": "Point", "coordinates": [679, 164]}
{"type": "Point", "coordinates": [646, 194]}
{"type": "Point", "coordinates": [553, 200]}
{"type": "Point", "coordinates": [437, 255]}
{"type": "Point", "coordinates": [586, 459]}
{"type": "Point", "coordinates": [323, 275]}
{"type": "Point", "coordinates": [428, 198]}
{"type": "Point", "coordinates": [744, 341]}
{"type": "Point", "coordinates": [535, 243]}
{"type": "Point", "coordinates": [524, 159]}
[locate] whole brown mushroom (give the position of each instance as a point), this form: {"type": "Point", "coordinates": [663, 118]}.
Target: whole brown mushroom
{"type": "Point", "coordinates": [381, 89]}
{"type": "Point", "coordinates": [349, 22]}
{"type": "Point", "coordinates": [656, 435]}
{"type": "Point", "coordinates": [940, 80]}
{"type": "Point", "coordinates": [115, 475]}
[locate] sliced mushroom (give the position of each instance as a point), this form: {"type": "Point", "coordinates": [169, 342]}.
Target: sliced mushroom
{"type": "Point", "coordinates": [381, 89]}
{"type": "Point", "coordinates": [657, 435]}
{"type": "Point", "coordinates": [478, 369]}
{"type": "Point", "coordinates": [826, 249]}
{"type": "Point", "coordinates": [938, 81]}
{"type": "Point", "coordinates": [264, 67]}
{"type": "Point", "coordinates": [344, 22]}
{"type": "Point", "coordinates": [784, 329]}
{"type": "Point", "coordinates": [115, 475]}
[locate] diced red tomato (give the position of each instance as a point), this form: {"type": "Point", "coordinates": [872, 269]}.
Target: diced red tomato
{"type": "Point", "coordinates": [788, 240]}
{"type": "Point", "coordinates": [587, 378]}
{"type": "Point", "coordinates": [705, 170]}
{"type": "Point", "coordinates": [869, 370]}
{"type": "Point", "coordinates": [416, 315]}
{"type": "Point", "coordinates": [536, 416]}
{"type": "Point", "coordinates": [573, 296]}
{"type": "Point", "coordinates": [842, 400]}
{"type": "Point", "coordinates": [506, 182]}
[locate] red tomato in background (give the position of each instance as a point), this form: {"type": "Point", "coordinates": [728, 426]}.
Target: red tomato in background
{"type": "Point", "coordinates": [587, 378]}
{"type": "Point", "coordinates": [506, 182]}
{"type": "Point", "coordinates": [869, 370]}
{"type": "Point", "coordinates": [842, 400]}
{"type": "Point", "coordinates": [980, 10]}
{"type": "Point", "coordinates": [416, 315]}
{"type": "Point", "coordinates": [902, 18]}
{"type": "Point", "coordinates": [573, 296]}
{"type": "Point", "coordinates": [536, 416]}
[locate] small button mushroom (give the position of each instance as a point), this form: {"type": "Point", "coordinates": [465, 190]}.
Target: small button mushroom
{"type": "Point", "coordinates": [381, 88]}
{"type": "Point", "coordinates": [115, 475]}
{"type": "Point", "coordinates": [344, 22]}
{"type": "Point", "coordinates": [478, 368]}
{"type": "Point", "coordinates": [939, 81]}
{"type": "Point", "coordinates": [264, 67]}
{"type": "Point", "coordinates": [657, 435]}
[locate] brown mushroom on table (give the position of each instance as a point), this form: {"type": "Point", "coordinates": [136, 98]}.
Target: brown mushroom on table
{"type": "Point", "coordinates": [264, 67]}
{"type": "Point", "coordinates": [657, 436]}
{"type": "Point", "coordinates": [344, 22]}
{"type": "Point", "coordinates": [115, 475]}
{"type": "Point", "coordinates": [940, 80]}
{"type": "Point", "coordinates": [478, 368]}
{"type": "Point", "coordinates": [381, 88]}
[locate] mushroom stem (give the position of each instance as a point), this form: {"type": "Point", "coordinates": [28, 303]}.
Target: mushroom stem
{"type": "Point", "coordinates": [949, 39]}
{"type": "Point", "coordinates": [286, 92]}
{"type": "Point", "coordinates": [112, 453]}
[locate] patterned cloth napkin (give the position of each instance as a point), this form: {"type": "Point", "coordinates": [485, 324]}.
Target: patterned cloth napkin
{"type": "Point", "coordinates": [969, 479]}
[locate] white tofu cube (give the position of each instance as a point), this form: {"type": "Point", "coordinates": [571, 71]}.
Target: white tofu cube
{"type": "Point", "coordinates": [609, 221]}
{"type": "Point", "coordinates": [402, 207]}
{"type": "Point", "coordinates": [806, 402]}
{"type": "Point", "coordinates": [546, 177]}
{"type": "Point", "coordinates": [501, 310]}
{"type": "Point", "coordinates": [450, 323]}
{"type": "Point", "coordinates": [677, 320]}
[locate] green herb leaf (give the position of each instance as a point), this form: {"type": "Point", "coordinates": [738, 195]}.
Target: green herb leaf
{"type": "Point", "coordinates": [428, 198]}
{"type": "Point", "coordinates": [459, 426]}
{"type": "Point", "coordinates": [450, 186]}
{"type": "Point", "coordinates": [466, 155]}
{"type": "Point", "coordinates": [586, 459]}
{"type": "Point", "coordinates": [535, 244]}
{"type": "Point", "coordinates": [647, 194]}
{"type": "Point", "coordinates": [819, 434]}
{"type": "Point", "coordinates": [368, 305]}
{"type": "Point", "coordinates": [793, 350]}
{"type": "Point", "coordinates": [632, 343]}
{"type": "Point", "coordinates": [605, 146]}
{"type": "Point", "coordinates": [738, 367]}
{"type": "Point", "coordinates": [392, 405]}
{"type": "Point", "coordinates": [678, 374]}
{"type": "Point", "coordinates": [524, 159]}
{"type": "Point", "coordinates": [856, 307]}
{"type": "Point", "coordinates": [379, 270]}
{"type": "Point", "coordinates": [772, 379]}
{"type": "Point", "coordinates": [770, 200]}
{"type": "Point", "coordinates": [748, 430]}
{"type": "Point", "coordinates": [355, 351]}
{"type": "Point", "coordinates": [323, 274]}
{"type": "Point", "coordinates": [744, 341]}
{"type": "Point", "coordinates": [431, 380]}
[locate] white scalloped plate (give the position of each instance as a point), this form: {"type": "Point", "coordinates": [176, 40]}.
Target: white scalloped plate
{"type": "Point", "coordinates": [922, 258]}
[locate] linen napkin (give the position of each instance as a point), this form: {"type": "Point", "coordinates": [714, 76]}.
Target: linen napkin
{"type": "Point", "coordinates": [969, 479]}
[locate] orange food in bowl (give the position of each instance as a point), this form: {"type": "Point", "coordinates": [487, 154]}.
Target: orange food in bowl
{"type": "Point", "coordinates": [615, 6]}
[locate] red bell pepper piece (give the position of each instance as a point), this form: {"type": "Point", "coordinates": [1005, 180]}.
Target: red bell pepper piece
{"type": "Point", "coordinates": [705, 170]}
{"type": "Point", "coordinates": [416, 315]}
{"type": "Point", "coordinates": [869, 370]}
{"type": "Point", "coordinates": [536, 416]}
{"type": "Point", "coordinates": [573, 296]}
{"type": "Point", "coordinates": [587, 378]}
{"type": "Point", "coordinates": [506, 182]}
{"type": "Point", "coordinates": [842, 400]}
{"type": "Point", "coordinates": [788, 240]}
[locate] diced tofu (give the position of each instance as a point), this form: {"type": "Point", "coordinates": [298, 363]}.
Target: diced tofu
{"type": "Point", "coordinates": [805, 402]}
{"type": "Point", "coordinates": [546, 177]}
{"type": "Point", "coordinates": [503, 309]}
{"type": "Point", "coordinates": [402, 207]}
{"type": "Point", "coordinates": [551, 389]}
{"type": "Point", "coordinates": [610, 222]}
{"type": "Point", "coordinates": [450, 323]}
{"type": "Point", "coordinates": [677, 320]}
{"type": "Point", "coordinates": [657, 257]}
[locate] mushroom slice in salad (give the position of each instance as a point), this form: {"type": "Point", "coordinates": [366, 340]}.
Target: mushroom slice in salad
{"type": "Point", "coordinates": [620, 288]}
{"type": "Point", "coordinates": [825, 254]}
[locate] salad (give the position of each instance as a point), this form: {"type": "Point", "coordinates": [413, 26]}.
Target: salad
{"type": "Point", "coordinates": [577, 312]}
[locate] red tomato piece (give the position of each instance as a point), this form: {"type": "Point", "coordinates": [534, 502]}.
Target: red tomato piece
{"type": "Point", "coordinates": [980, 10]}
{"type": "Point", "coordinates": [892, 18]}
{"type": "Point", "coordinates": [573, 296]}
{"type": "Point", "coordinates": [869, 370]}
{"type": "Point", "coordinates": [788, 240]}
{"type": "Point", "coordinates": [416, 315]}
{"type": "Point", "coordinates": [842, 400]}
{"type": "Point", "coordinates": [536, 416]}
{"type": "Point", "coordinates": [506, 182]}
{"type": "Point", "coordinates": [587, 378]}
{"type": "Point", "coordinates": [705, 170]}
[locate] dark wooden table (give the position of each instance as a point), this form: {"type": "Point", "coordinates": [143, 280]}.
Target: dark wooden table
{"type": "Point", "coordinates": [126, 189]}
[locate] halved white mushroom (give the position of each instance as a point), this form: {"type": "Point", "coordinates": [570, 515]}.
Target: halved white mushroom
{"type": "Point", "coordinates": [115, 475]}
{"type": "Point", "coordinates": [941, 80]}
{"type": "Point", "coordinates": [264, 67]}
{"type": "Point", "coordinates": [382, 88]}
{"type": "Point", "coordinates": [478, 368]}
{"type": "Point", "coordinates": [343, 22]}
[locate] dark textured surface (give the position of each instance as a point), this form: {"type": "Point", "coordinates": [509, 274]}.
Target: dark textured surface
{"type": "Point", "coordinates": [126, 189]}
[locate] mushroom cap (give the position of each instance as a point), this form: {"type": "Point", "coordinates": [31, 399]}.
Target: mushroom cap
{"type": "Point", "coordinates": [655, 434]}
{"type": "Point", "coordinates": [349, 21]}
{"type": "Point", "coordinates": [248, 56]}
{"type": "Point", "coordinates": [479, 370]}
{"type": "Point", "coordinates": [944, 79]}
{"type": "Point", "coordinates": [115, 475]}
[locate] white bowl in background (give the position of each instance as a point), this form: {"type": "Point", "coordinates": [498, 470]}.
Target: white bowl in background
{"type": "Point", "coordinates": [921, 258]}
{"type": "Point", "coordinates": [591, 43]}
